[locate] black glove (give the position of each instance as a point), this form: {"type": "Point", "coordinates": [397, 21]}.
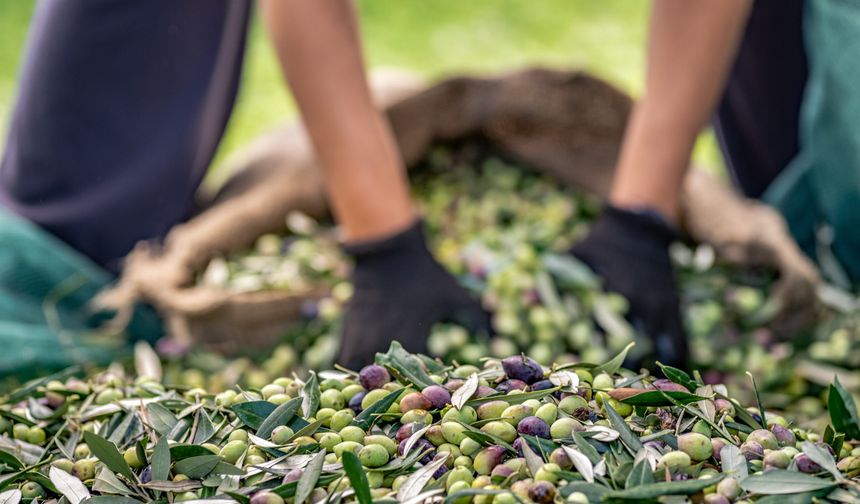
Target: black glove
{"type": "Point", "coordinates": [400, 292]}
{"type": "Point", "coordinates": [630, 250]}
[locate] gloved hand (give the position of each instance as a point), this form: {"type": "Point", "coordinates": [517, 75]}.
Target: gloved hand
{"type": "Point", "coordinates": [630, 251]}
{"type": "Point", "coordinates": [400, 291]}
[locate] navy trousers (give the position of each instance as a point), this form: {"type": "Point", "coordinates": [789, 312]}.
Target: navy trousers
{"type": "Point", "coordinates": [121, 106]}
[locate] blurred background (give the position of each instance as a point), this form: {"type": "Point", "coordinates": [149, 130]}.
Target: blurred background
{"type": "Point", "coordinates": [434, 39]}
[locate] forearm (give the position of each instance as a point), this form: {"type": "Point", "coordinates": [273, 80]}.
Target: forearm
{"type": "Point", "coordinates": [690, 50]}
{"type": "Point", "coordinates": [318, 45]}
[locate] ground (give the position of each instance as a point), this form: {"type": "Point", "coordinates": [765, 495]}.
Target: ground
{"type": "Point", "coordinates": [432, 38]}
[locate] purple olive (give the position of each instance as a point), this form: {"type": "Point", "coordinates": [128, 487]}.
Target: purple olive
{"type": "Point", "coordinates": [488, 458]}
{"type": "Point", "coordinates": [414, 400]}
{"type": "Point", "coordinates": [452, 385]}
{"type": "Point", "coordinates": [293, 475]}
{"type": "Point", "coordinates": [542, 385]}
{"type": "Point", "coordinates": [718, 444]}
{"type": "Point", "coordinates": [421, 445]}
{"type": "Point", "coordinates": [407, 430]}
{"type": "Point", "coordinates": [439, 472]}
{"type": "Point", "coordinates": [784, 436]}
{"type": "Point", "coordinates": [485, 391]}
{"type": "Point", "coordinates": [752, 450]}
{"type": "Point", "coordinates": [146, 474]}
{"type": "Point", "coordinates": [373, 377]}
{"type": "Point", "coordinates": [520, 367]}
{"type": "Point", "coordinates": [668, 386]}
{"type": "Point", "coordinates": [518, 446]}
{"type": "Point", "coordinates": [533, 426]}
{"type": "Point", "coordinates": [438, 396]}
{"type": "Point", "coordinates": [502, 471]}
{"type": "Point", "coordinates": [355, 401]}
{"type": "Point", "coordinates": [512, 384]}
{"type": "Point", "coordinates": [806, 464]}
{"type": "Point", "coordinates": [542, 492]}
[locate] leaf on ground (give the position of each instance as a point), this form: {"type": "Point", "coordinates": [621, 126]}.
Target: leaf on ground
{"type": "Point", "coordinates": [779, 481]}
{"type": "Point", "coordinates": [357, 477]}
{"type": "Point", "coordinates": [416, 481]}
{"type": "Point", "coordinates": [71, 488]}
{"type": "Point", "coordinates": [197, 467]}
{"type": "Point", "coordinates": [161, 460]}
{"type": "Point", "coordinates": [310, 476]}
{"type": "Point", "coordinates": [406, 365]}
{"type": "Point", "coordinates": [279, 416]}
{"type": "Point", "coordinates": [107, 482]}
{"type": "Point", "coordinates": [108, 453]}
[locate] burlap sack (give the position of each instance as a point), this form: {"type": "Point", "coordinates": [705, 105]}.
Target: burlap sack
{"type": "Point", "coordinates": [566, 124]}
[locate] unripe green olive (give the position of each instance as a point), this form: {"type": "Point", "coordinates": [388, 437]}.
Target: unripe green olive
{"type": "Point", "coordinates": [373, 456]}
{"type": "Point", "coordinates": [233, 450]}
{"type": "Point", "coordinates": [281, 435]}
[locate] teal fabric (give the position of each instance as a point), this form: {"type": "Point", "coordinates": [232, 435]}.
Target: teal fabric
{"type": "Point", "coordinates": [819, 193]}
{"type": "Point", "coordinates": [45, 287]}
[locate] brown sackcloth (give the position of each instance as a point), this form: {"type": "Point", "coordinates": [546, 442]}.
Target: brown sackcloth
{"type": "Point", "coordinates": [567, 124]}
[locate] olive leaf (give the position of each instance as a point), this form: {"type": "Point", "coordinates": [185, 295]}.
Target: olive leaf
{"type": "Point", "coordinates": [172, 486]}
{"type": "Point", "coordinates": [205, 430]}
{"type": "Point", "coordinates": [512, 399]}
{"type": "Point", "coordinates": [580, 462]}
{"type": "Point", "coordinates": [197, 467]}
{"type": "Point", "coordinates": [779, 482]}
{"type": "Point", "coordinates": [71, 487]}
{"type": "Point", "coordinates": [160, 418]}
{"type": "Point", "coordinates": [370, 415]}
{"type": "Point", "coordinates": [658, 398]}
{"type": "Point", "coordinates": [763, 419]}
{"type": "Point", "coordinates": [146, 361]}
{"type": "Point", "coordinates": [678, 376]}
{"type": "Point", "coordinates": [416, 482]}
{"type": "Point", "coordinates": [107, 452]}
{"type": "Point", "coordinates": [310, 476]}
{"type": "Point", "coordinates": [111, 499]}
{"type": "Point", "coordinates": [411, 440]}
{"type": "Point", "coordinates": [629, 439]}
{"type": "Point", "coordinates": [586, 448]}
{"type": "Point", "coordinates": [405, 365]}
{"type": "Point", "coordinates": [253, 413]}
{"type": "Point", "coordinates": [654, 490]}
{"type": "Point", "coordinates": [10, 497]}
{"type": "Point", "coordinates": [107, 482]}
{"type": "Point", "coordinates": [565, 379]}
{"type": "Point", "coordinates": [357, 477]}
{"type": "Point", "coordinates": [533, 461]}
{"type": "Point", "coordinates": [280, 416]}
{"type": "Point", "coordinates": [615, 363]}
{"type": "Point", "coordinates": [821, 457]}
{"type": "Point", "coordinates": [593, 491]}
{"type": "Point", "coordinates": [843, 410]}
{"type": "Point", "coordinates": [310, 395]}
{"type": "Point", "coordinates": [465, 392]}
{"type": "Point", "coordinates": [161, 460]}
{"type": "Point", "coordinates": [570, 272]}
{"type": "Point", "coordinates": [10, 460]}
{"type": "Point", "coordinates": [733, 462]}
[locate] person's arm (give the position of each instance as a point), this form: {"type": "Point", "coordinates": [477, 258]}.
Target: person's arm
{"type": "Point", "coordinates": [318, 45]}
{"type": "Point", "coordinates": [691, 47]}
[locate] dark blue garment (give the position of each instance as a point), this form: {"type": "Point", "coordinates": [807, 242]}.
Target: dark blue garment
{"type": "Point", "coordinates": [758, 119]}
{"type": "Point", "coordinates": [121, 107]}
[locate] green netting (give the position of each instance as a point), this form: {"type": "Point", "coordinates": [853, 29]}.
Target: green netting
{"type": "Point", "coordinates": [45, 321]}
{"type": "Point", "coordinates": [819, 193]}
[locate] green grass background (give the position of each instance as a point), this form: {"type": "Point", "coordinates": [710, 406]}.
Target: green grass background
{"type": "Point", "coordinates": [432, 37]}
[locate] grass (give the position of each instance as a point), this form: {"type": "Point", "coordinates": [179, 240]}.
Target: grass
{"type": "Point", "coordinates": [434, 39]}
